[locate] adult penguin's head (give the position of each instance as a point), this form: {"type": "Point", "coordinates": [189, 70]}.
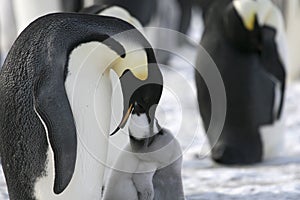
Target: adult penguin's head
{"type": "Point", "coordinates": [139, 74]}
{"type": "Point", "coordinates": [144, 91]}
{"type": "Point", "coordinates": [247, 22]}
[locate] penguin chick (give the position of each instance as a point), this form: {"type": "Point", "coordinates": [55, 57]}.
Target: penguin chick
{"type": "Point", "coordinates": [149, 167]}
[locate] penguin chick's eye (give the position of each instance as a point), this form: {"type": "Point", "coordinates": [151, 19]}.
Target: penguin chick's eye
{"type": "Point", "coordinates": [138, 109]}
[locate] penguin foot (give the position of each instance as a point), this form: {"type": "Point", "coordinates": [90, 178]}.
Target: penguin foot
{"type": "Point", "coordinates": [229, 155]}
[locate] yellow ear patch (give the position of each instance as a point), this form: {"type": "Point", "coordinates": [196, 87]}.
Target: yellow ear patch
{"type": "Point", "coordinates": [264, 10]}
{"type": "Point", "coordinates": [249, 22]}
{"type": "Point", "coordinates": [135, 61]}
{"type": "Point", "coordinates": [247, 10]}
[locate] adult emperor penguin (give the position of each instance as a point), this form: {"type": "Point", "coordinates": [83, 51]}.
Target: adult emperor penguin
{"type": "Point", "coordinates": [149, 167]}
{"type": "Point", "coordinates": [245, 39]}
{"type": "Point", "coordinates": [55, 105]}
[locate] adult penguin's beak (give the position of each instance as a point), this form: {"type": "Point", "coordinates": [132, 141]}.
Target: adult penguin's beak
{"type": "Point", "coordinates": [141, 83]}
{"type": "Point", "coordinates": [124, 120]}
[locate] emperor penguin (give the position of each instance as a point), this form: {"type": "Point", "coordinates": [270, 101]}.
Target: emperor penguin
{"type": "Point", "coordinates": [149, 167]}
{"type": "Point", "coordinates": [55, 105]}
{"type": "Point", "coordinates": [246, 40]}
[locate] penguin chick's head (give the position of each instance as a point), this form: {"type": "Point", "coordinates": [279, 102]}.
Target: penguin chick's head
{"type": "Point", "coordinates": [244, 21]}
{"type": "Point", "coordinates": [142, 125]}
{"type": "Point", "coordinates": [144, 130]}
{"type": "Point", "coordinates": [141, 99]}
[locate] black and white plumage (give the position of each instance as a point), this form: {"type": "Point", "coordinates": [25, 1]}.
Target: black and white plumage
{"type": "Point", "coordinates": [245, 39]}
{"type": "Point", "coordinates": [40, 122]}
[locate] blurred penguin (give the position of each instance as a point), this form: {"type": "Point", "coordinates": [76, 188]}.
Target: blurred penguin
{"type": "Point", "coordinates": [8, 31]}
{"type": "Point", "coordinates": [168, 14]}
{"type": "Point", "coordinates": [246, 40]}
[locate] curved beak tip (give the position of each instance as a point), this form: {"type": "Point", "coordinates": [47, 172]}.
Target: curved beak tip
{"type": "Point", "coordinates": [115, 131]}
{"type": "Point", "coordinates": [124, 120]}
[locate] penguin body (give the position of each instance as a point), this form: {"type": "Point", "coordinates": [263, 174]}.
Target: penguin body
{"type": "Point", "coordinates": [54, 139]}
{"type": "Point", "coordinates": [142, 10]}
{"type": "Point", "coordinates": [252, 67]}
{"type": "Point", "coordinates": [149, 167]}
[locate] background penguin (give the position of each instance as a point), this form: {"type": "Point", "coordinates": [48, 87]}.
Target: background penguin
{"type": "Point", "coordinates": [245, 38]}
{"type": "Point", "coordinates": [168, 14]}
{"type": "Point", "coordinates": [41, 123]}
{"type": "Point", "coordinates": [205, 5]}
{"type": "Point", "coordinates": [150, 166]}
{"type": "Point", "coordinates": [72, 5]}
{"type": "Point", "coordinates": [17, 14]}
{"type": "Point", "coordinates": [143, 10]}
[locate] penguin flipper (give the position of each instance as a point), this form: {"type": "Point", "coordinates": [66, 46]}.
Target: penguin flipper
{"type": "Point", "coordinates": [273, 64]}
{"type": "Point", "coordinates": [52, 104]}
